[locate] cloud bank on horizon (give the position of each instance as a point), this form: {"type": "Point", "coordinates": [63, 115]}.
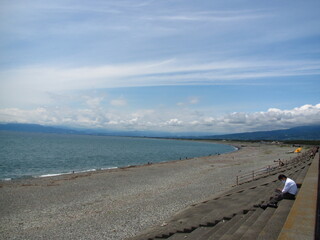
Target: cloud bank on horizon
{"type": "Point", "coordinates": [153, 119]}
{"type": "Point", "coordinates": [171, 65]}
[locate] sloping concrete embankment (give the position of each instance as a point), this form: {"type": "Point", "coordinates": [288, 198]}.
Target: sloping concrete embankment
{"type": "Point", "coordinates": [232, 215]}
{"type": "Point", "coordinates": [300, 223]}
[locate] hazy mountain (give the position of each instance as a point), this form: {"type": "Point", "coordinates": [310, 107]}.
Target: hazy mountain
{"type": "Point", "coordinates": [100, 132]}
{"type": "Point", "coordinates": [20, 127]}
{"type": "Point", "coordinates": [296, 133]}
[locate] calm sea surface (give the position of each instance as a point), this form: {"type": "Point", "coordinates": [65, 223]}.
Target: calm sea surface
{"type": "Point", "coordinates": [24, 155]}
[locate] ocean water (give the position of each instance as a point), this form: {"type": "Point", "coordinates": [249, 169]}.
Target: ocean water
{"type": "Point", "coordinates": [25, 155]}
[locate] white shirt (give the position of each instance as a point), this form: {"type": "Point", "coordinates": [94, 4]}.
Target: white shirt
{"type": "Point", "coordinates": [290, 187]}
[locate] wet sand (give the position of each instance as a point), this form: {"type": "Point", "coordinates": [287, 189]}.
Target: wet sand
{"type": "Point", "coordinates": [120, 203]}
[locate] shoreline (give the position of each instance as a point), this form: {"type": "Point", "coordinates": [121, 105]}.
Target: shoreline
{"type": "Point", "coordinates": [49, 175]}
{"type": "Point", "coordinates": [120, 203]}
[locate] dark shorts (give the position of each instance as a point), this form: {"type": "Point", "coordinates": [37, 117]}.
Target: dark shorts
{"type": "Point", "coordinates": [281, 196]}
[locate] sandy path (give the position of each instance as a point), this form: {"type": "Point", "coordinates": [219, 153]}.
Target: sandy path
{"type": "Point", "coordinates": [117, 204]}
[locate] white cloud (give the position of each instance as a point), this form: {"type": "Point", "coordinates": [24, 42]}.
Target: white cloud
{"type": "Point", "coordinates": [275, 118]}
{"type": "Point", "coordinates": [182, 120]}
{"type": "Point", "coordinates": [193, 100]}
{"type": "Point", "coordinates": [120, 102]}
{"type": "Point", "coordinates": [93, 102]}
{"type": "Point", "coordinates": [180, 104]}
{"type": "Point", "coordinates": [173, 122]}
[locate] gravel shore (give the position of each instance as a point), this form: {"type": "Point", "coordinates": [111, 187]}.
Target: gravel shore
{"type": "Point", "coordinates": [120, 203]}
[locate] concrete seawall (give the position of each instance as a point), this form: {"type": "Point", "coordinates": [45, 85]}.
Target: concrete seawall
{"type": "Point", "coordinates": [235, 214]}
{"type": "Point", "coordinates": [301, 220]}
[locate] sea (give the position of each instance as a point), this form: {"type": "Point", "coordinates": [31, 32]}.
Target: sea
{"type": "Point", "coordinates": [31, 155]}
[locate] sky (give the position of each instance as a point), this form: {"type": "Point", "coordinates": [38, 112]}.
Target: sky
{"type": "Point", "coordinates": [207, 66]}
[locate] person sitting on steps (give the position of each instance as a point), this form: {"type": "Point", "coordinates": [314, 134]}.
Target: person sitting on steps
{"type": "Point", "coordinates": [289, 191]}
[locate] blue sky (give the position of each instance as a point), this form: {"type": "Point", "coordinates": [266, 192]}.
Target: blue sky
{"type": "Point", "coordinates": [166, 65]}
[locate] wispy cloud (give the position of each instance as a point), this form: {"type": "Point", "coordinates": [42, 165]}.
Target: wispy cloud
{"type": "Point", "coordinates": [190, 101]}
{"type": "Point", "coordinates": [36, 84]}
{"type": "Point", "coordinates": [213, 16]}
{"type": "Point", "coordinates": [171, 72]}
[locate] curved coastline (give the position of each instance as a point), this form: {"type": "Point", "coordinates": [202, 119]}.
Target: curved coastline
{"type": "Point", "coordinates": [107, 169]}
{"type": "Point", "coordinates": [121, 203]}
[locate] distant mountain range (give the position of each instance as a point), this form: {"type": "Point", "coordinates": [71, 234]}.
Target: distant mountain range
{"type": "Point", "coordinates": [297, 133]}
{"type": "Point", "coordinates": [20, 127]}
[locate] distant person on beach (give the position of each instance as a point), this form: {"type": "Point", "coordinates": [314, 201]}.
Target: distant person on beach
{"type": "Point", "coordinates": [280, 163]}
{"type": "Point", "coordinates": [289, 191]}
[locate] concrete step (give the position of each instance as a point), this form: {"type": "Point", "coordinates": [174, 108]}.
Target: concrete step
{"type": "Point", "coordinates": [246, 225]}
{"type": "Point", "coordinates": [211, 212]}
{"type": "Point", "coordinates": [302, 168]}
{"type": "Point", "coordinates": [203, 233]}
{"type": "Point", "coordinates": [230, 208]}
{"type": "Point", "coordinates": [235, 227]}
{"type": "Point", "coordinates": [293, 173]}
{"type": "Point", "coordinates": [179, 236]}
{"type": "Point", "coordinates": [227, 225]}
{"type": "Point", "coordinates": [208, 214]}
{"type": "Point", "coordinates": [273, 176]}
{"type": "Point", "coordinates": [300, 223]}
{"type": "Point", "coordinates": [212, 231]}
{"type": "Point", "coordinates": [200, 231]}
{"type": "Point", "coordinates": [273, 227]}
{"type": "Point", "coordinates": [255, 229]}
{"type": "Point", "coordinates": [242, 201]}
{"type": "Point", "coordinates": [262, 193]}
{"type": "Point", "coordinates": [301, 176]}
{"type": "Point", "coordinates": [235, 201]}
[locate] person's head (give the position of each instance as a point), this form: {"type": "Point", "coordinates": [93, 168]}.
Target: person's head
{"type": "Point", "coordinates": [282, 177]}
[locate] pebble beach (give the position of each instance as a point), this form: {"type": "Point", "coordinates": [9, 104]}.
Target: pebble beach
{"type": "Point", "coordinates": [121, 203]}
